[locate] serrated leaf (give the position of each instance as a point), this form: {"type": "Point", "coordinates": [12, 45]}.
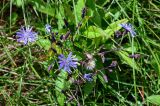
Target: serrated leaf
{"type": "Point", "coordinates": [155, 99]}
{"type": "Point", "coordinates": [44, 43]}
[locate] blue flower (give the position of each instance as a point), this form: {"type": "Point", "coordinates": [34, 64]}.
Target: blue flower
{"type": "Point", "coordinates": [48, 28]}
{"type": "Point", "coordinates": [129, 28]}
{"type": "Point", "coordinates": [26, 35]}
{"type": "Point", "coordinates": [88, 77]}
{"type": "Point", "coordinates": [67, 63]}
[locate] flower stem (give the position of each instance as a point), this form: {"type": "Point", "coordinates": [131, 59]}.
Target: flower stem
{"type": "Point", "coordinates": [134, 74]}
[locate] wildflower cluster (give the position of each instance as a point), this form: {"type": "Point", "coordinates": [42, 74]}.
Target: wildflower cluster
{"type": "Point", "coordinates": [67, 63]}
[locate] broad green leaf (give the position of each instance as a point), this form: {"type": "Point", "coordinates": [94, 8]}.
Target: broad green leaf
{"type": "Point", "coordinates": [60, 85]}
{"type": "Point", "coordinates": [60, 82]}
{"type": "Point", "coordinates": [94, 32]}
{"type": "Point", "coordinates": [44, 43]}
{"type": "Point", "coordinates": [113, 27]}
{"type": "Point", "coordinates": [124, 58]}
{"type": "Point", "coordinates": [155, 99]}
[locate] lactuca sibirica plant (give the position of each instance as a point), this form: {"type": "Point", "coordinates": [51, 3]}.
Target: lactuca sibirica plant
{"type": "Point", "coordinates": [48, 28]}
{"type": "Point", "coordinates": [26, 35]}
{"type": "Point", "coordinates": [67, 63]}
{"type": "Point", "coordinates": [88, 77]}
{"type": "Point", "coordinates": [129, 28]}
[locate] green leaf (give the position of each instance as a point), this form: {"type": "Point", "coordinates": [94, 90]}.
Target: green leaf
{"type": "Point", "coordinates": [44, 43]}
{"type": "Point", "coordinates": [124, 58]}
{"type": "Point", "coordinates": [18, 3]}
{"type": "Point", "coordinates": [91, 4]}
{"type": "Point", "coordinates": [94, 32]}
{"type": "Point", "coordinates": [155, 99]}
{"type": "Point", "coordinates": [152, 42]}
{"type": "Point", "coordinates": [60, 82]}
{"type": "Point", "coordinates": [69, 13]}
{"type": "Point", "coordinates": [79, 7]}
{"type": "Point", "coordinates": [59, 16]}
{"type": "Point", "coordinates": [14, 18]}
{"type": "Point", "coordinates": [45, 8]}
{"type": "Point", "coordinates": [113, 27]}
{"type": "Point", "coordinates": [103, 81]}
{"type": "Point", "coordinates": [88, 87]}
{"type": "Point", "coordinates": [97, 18]}
{"type": "Point", "coordinates": [60, 85]}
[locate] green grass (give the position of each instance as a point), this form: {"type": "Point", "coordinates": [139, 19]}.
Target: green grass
{"type": "Point", "coordinates": [24, 75]}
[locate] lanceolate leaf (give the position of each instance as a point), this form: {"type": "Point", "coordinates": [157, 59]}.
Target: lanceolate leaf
{"type": "Point", "coordinates": [44, 8]}
{"type": "Point", "coordinates": [79, 7]}
{"type": "Point", "coordinates": [124, 57]}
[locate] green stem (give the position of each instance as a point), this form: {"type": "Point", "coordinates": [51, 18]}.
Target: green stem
{"type": "Point", "coordinates": [10, 20]}
{"type": "Point", "coordinates": [24, 16]}
{"type": "Point", "coordinates": [134, 73]}
{"type": "Point", "coordinates": [30, 62]}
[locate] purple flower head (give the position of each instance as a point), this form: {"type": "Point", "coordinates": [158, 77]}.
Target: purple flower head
{"type": "Point", "coordinates": [48, 28]}
{"type": "Point", "coordinates": [88, 77]}
{"type": "Point", "coordinates": [129, 28]}
{"type": "Point", "coordinates": [26, 35]}
{"type": "Point", "coordinates": [67, 63]}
